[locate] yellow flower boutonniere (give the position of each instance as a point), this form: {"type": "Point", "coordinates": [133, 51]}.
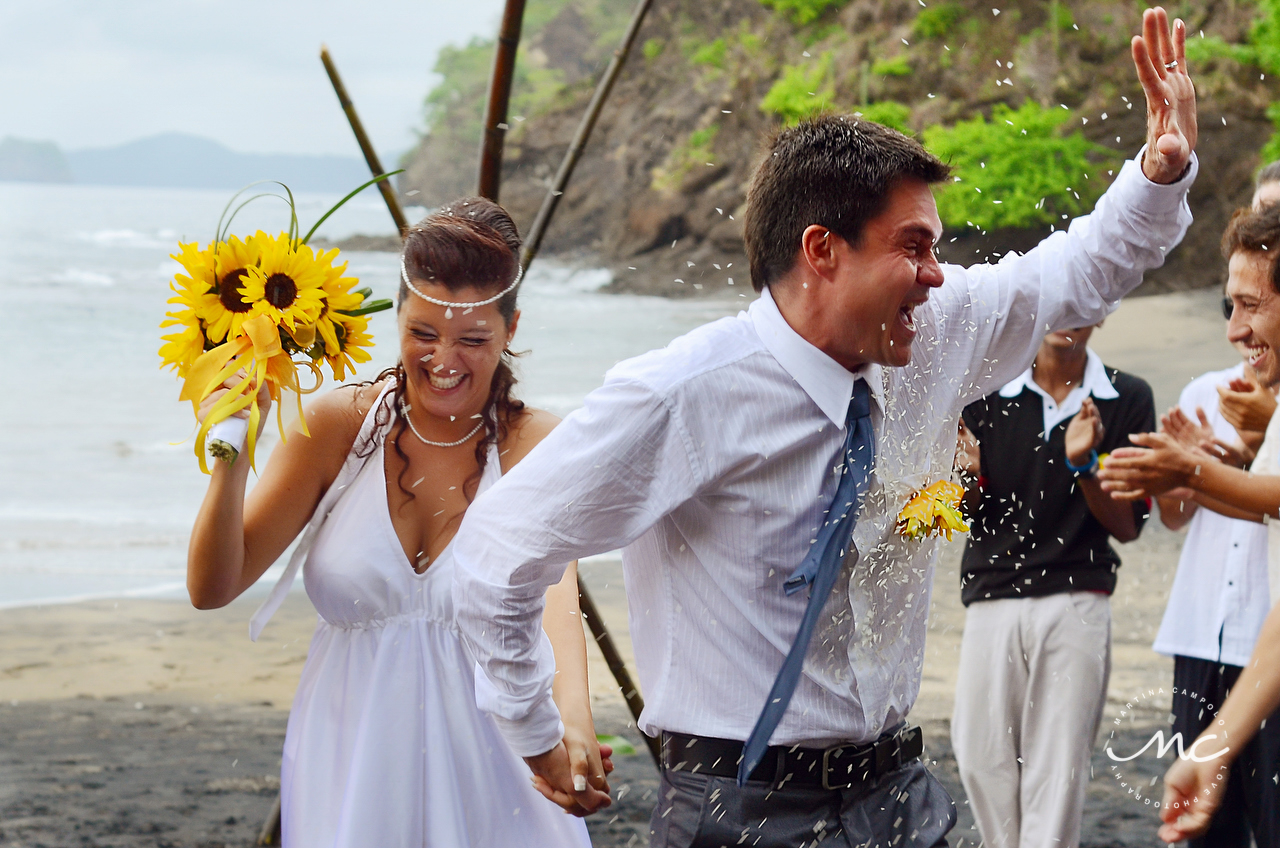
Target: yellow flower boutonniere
{"type": "Point", "coordinates": [933, 511]}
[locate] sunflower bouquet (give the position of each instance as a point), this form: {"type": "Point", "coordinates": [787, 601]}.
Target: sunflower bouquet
{"type": "Point", "coordinates": [265, 307]}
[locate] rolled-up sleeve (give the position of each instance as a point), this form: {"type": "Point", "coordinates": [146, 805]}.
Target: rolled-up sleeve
{"type": "Point", "coordinates": [603, 477]}
{"type": "Point", "coordinates": [1074, 278]}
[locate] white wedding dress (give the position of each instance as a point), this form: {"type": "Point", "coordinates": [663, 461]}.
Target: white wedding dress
{"type": "Point", "coordinates": [385, 745]}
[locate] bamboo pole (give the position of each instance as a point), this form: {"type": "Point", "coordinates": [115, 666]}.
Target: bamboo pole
{"type": "Point", "coordinates": [533, 238]}
{"type": "Point", "coordinates": [616, 665]}
{"type": "Point", "coordinates": [270, 833]}
{"type": "Point", "coordinates": [495, 114]}
{"type": "Point", "coordinates": [370, 155]}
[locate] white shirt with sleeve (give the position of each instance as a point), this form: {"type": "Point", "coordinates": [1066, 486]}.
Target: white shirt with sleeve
{"type": "Point", "coordinates": [1219, 596]}
{"type": "Point", "coordinates": [711, 463]}
{"type": "Point", "coordinates": [1268, 462]}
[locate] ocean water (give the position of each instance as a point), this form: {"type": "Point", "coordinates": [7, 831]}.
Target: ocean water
{"type": "Point", "coordinates": [98, 479]}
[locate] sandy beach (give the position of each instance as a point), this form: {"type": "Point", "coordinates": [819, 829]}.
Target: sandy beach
{"type": "Point", "coordinates": [148, 723]}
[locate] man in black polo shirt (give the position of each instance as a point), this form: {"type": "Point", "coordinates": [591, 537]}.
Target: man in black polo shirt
{"type": "Point", "coordinates": [1037, 574]}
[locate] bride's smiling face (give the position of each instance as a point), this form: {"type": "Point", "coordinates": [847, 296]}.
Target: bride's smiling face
{"type": "Point", "coordinates": [449, 361]}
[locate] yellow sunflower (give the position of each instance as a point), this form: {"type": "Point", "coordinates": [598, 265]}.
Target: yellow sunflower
{"type": "Point", "coordinates": [189, 293]}
{"type": "Point", "coordinates": [338, 297]}
{"type": "Point", "coordinates": [343, 333]}
{"type": "Point", "coordinates": [352, 344]}
{"type": "Point", "coordinates": [286, 284]}
{"type": "Point", "coordinates": [226, 309]}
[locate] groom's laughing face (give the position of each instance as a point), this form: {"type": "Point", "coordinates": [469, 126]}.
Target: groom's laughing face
{"type": "Point", "coordinates": [887, 276]}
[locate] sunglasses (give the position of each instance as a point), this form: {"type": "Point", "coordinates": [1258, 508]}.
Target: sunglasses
{"type": "Point", "coordinates": [1227, 308]}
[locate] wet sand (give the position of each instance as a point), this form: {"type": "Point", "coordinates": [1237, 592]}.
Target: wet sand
{"type": "Point", "coordinates": [148, 723]}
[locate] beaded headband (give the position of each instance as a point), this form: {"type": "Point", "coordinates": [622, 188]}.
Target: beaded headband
{"type": "Point", "coordinates": [451, 305]}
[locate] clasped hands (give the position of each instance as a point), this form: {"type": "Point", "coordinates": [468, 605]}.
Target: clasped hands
{"type": "Point", "coordinates": [573, 774]}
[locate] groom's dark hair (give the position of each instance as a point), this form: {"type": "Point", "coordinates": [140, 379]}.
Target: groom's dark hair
{"type": "Point", "coordinates": [835, 171]}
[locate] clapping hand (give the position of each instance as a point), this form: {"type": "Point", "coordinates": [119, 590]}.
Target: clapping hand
{"type": "Point", "coordinates": [1084, 433]}
{"type": "Point", "coordinates": [1189, 433]}
{"type": "Point", "coordinates": [1160, 464]}
{"type": "Point", "coordinates": [1161, 61]}
{"type": "Point", "coordinates": [1246, 404]}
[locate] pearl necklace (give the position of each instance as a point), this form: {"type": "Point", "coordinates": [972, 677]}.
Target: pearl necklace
{"type": "Point", "coordinates": [404, 412]}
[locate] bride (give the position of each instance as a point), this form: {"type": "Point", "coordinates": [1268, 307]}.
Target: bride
{"type": "Point", "coordinates": [385, 743]}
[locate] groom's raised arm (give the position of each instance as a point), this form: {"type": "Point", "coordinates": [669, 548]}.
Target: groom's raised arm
{"type": "Point", "coordinates": [606, 474]}
{"type": "Point", "coordinates": [1074, 278]}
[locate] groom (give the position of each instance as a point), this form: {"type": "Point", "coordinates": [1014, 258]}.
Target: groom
{"type": "Point", "coordinates": [752, 472]}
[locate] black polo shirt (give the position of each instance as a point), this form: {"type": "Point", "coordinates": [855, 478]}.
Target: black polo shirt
{"type": "Point", "coordinates": [1032, 533]}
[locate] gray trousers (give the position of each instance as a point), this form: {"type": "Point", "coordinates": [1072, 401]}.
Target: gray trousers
{"type": "Point", "coordinates": [907, 808]}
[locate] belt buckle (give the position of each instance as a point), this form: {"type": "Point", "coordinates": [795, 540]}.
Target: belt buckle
{"type": "Point", "coordinates": [854, 777]}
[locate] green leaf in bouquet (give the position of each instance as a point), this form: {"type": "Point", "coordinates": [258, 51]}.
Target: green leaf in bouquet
{"type": "Point", "coordinates": [224, 222]}
{"type": "Point", "coordinates": [339, 204]}
{"type": "Point", "coordinates": [369, 307]}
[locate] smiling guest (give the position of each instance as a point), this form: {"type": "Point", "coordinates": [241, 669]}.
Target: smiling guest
{"type": "Point", "coordinates": [1167, 463]}
{"type": "Point", "coordinates": [1219, 597]}
{"type": "Point", "coordinates": [754, 469]}
{"type": "Point", "coordinates": [1164, 463]}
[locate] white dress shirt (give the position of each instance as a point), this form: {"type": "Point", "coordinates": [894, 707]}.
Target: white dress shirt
{"type": "Point", "coordinates": [1220, 589]}
{"type": "Point", "coordinates": [711, 463]}
{"type": "Point", "coordinates": [1268, 462]}
{"type": "Point", "coordinates": [1095, 383]}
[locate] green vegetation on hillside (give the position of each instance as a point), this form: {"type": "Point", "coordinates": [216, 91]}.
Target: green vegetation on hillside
{"type": "Point", "coordinates": [465, 79]}
{"type": "Point", "coordinates": [937, 20]}
{"type": "Point", "coordinates": [1018, 169]}
{"type": "Point", "coordinates": [455, 107]}
{"type": "Point", "coordinates": [712, 53]}
{"type": "Point", "coordinates": [891, 113]}
{"type": "Point", "coordinates": [696, 151]}
{"type": "Point", "coordinates": [802, 12]}
{"type": "Point", "coordinates": [1261, 50]}
{"type": "Point", "coordinates": [894, 66]}
{"type": "Point", "coordinates": [802, 91]}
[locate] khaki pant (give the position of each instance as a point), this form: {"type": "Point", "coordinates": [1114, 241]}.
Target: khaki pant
{"type": "Point", "coordinates": [1032, 683]}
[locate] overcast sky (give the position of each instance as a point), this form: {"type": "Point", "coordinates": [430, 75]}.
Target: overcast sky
{"type": "Point", "coordinates": [89, 73]}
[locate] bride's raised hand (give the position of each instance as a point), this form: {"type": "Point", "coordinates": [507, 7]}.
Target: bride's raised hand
{"type": "Point", "coordinates": [263, 400]}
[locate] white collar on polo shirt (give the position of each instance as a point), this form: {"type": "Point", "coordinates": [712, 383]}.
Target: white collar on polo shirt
{"type": "Point", "coordinates": [827, 383]}
{"type": "Point", "coordinates": [1095, 383]}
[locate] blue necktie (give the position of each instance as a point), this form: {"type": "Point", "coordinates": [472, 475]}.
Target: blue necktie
{"type": "Point", "coordinates": [818, 571]}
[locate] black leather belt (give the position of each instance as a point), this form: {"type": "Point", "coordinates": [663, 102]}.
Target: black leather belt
{"type": "Point", "coordinates": [837, 767]}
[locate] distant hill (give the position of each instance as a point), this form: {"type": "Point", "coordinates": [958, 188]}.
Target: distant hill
{"type": "Point", "coordinates": [32, 161]}
{"type": "Point", "coordinates": [176, 160]}
{"type": "Point", "coordinates": [188, 161]}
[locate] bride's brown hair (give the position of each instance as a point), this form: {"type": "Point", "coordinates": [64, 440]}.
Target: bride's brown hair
{"type": "Point", "coordinates": [471, 243]}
